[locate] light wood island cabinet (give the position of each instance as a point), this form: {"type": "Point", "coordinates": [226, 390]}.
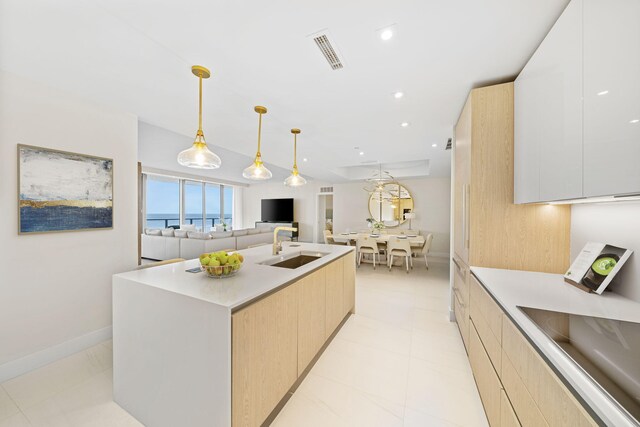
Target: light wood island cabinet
{"type": "Point", "coordinates": [275, 339]}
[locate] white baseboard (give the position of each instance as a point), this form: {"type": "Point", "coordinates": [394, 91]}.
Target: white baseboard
{"type": "Point", "coordinates": [49, 355]}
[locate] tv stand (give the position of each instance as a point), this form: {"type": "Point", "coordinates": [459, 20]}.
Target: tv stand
{"type": "Point", "coordinates": [291, 234]}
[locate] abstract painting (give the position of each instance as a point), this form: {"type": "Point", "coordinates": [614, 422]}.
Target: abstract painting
{"type": "Point", "coordinates": [62, 191]}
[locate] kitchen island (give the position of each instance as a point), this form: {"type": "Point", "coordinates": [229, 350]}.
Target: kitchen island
{"type": "Point", "coordinates": [197, 351]}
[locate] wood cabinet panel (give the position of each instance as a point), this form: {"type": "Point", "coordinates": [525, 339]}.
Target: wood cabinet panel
{"type": "Point", "coordinates": [334, 297]}
{"type": "Point", "coordinates": [491, 344]}
{"type": "Point", "coordinates": [462, 162]}
{"type": "Point", "coordinates": [556, 403]}
{"type": "Point", "coordinates": [462, 319]}
{"type": "Point", "coordinates": [487, 380]}
{"type": "Point", "coordinates": [508, 417]}
{"type": "Point", "coordinates": [504, 235]}
{"type": "Point", "coordinates": [523, 404]}
{"type": "Point", "coordinates": [311, 317]}
{"type": "Point", "coordinates": [349, 267]}
{"type": "Point", "coordinates": [264, 355]}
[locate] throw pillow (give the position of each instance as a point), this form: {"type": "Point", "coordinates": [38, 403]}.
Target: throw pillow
{"type": "Point", "coordinates": [188, 227]}
{"type": "Point", "coordinates": [198, 235]}
{"type": "Point", "coordinates": [180, 233]}
{"type": "Point", "coordinates": [168, 232]}
{"type": "Point", "coordinates": [153, 232]}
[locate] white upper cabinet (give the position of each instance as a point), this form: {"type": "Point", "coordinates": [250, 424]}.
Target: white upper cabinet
{"type": "Point", "coordinates": [611, 97]}
{"type": "Point", "coordinates": [548, 115]}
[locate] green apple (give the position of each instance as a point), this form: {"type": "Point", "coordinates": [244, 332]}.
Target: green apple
{"type": "Point", "coordinates": [214, 262]}
{"type": "Point", "coordinates": [204, 261]}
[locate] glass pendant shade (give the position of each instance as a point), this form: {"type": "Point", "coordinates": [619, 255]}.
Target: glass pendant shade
{"type": "Point", "coordinates": [198, 155]}
{"type": "Point", "coordinates": [295, 179]}
{"type": "Point", "coordinates": [257, 171]}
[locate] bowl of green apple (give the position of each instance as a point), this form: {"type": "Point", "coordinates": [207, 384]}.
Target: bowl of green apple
{"type": "Point", "coordinates": [221, 264]}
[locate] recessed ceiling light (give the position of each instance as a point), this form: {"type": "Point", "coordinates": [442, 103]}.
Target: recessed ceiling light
{"type": "Point", "coordinates": [434, 145]}
{"type": "Point", "coordinates": [304, 160]}
{"type": "Point", "coordinates": [386, 34]}
{"type": "Point", "coordinates": [635, 121]}
{"type": "Point", "coordinates": [398, 95]}
{"type": "Point", "coordinates": [404, 124]}
{"type": "Point", "coordinates": [604, 92]}
{"type": "Point", "coordinates": [362, 153]}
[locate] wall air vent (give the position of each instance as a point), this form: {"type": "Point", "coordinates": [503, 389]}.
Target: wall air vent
{"type": "Point", "coordinates": [326, 189]}
{"type": "Point", "coordinates": [328, 50]}
{"type": "Point", "coordinates": [448, 147]}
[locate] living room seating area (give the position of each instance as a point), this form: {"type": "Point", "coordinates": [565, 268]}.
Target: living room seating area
{"type": "Point", "coordinates": [164, 244]}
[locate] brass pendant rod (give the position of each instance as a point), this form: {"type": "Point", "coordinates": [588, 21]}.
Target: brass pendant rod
{"type": "Point", "coordinates": [259, 133]}
{"type": "Point", "coordinates": [200, 105]}
{"type": "Point", "coordinates": [295, 146]}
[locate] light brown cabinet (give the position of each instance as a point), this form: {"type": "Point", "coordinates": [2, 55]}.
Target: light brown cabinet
{"type": "Point", "coordinates": [487, 380]}
{"type": "Point", "coordinates": [264, 355]}
{"type": "Point", "coordinates": [489, 229]}
{"type": "Point", "coordinates": [311, 316]}
{"type": "Point", "coordinates": [334, 297]}
{"type": "Point", "coordinates": [349, 290]}
{"type": "Point", "coordinates": [275, 339]}
{"type": "Point", "coordinates": [516, 385]}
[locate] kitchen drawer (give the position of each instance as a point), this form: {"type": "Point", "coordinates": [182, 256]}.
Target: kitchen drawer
{"type": "Point", "coordinates": [508, 417]}
{"type": "Point", "coordinates": [462, 319]}
{"type": "Point", "coordinates": [489, 341]}
{"type": "Point", "coordinates": [486, 307]}
{"type": "Point", "coordinates": [556, 403]}
{"type": "Point", "coordinates": [461, 281]}
{"type": "Point", "coordinates": [487, 380]}
{"type": "Point", "coordinates": [523, 404]}
{"type": "Point", "coordinates": [481, 309]}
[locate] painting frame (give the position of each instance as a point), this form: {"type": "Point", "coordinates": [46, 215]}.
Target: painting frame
{"type": "Point", "coordinates": [63, 153]}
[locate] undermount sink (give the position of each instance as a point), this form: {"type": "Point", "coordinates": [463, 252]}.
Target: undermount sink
{"type": "Point", "coordinates": [294, 260]}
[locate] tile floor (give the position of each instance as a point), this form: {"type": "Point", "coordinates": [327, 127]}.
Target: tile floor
{"type": "Point", "coordinates": [397, 362]}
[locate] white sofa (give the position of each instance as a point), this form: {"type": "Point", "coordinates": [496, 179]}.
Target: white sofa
{"type": "Point", "coordinates": [193, 248]}
{"type": "Point", "coordinates": [164, 247]}
{"type": "Point", "coordinates": [160, 247]}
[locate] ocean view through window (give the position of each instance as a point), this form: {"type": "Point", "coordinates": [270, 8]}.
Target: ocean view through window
{"type": "Point", "coordinates": [172, 201]}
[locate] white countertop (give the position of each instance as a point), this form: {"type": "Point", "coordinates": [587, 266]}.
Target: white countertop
{"type": "Point", "coordinates": [251, 281]}
{"type": "Point", "coordinates": [546, 291]}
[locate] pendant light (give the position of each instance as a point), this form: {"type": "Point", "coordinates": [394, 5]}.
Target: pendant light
{"type": "Point", "coordinates": [258, 171]}
{"type": "Point", "coordinates": [199, 156]}
{"type": "Point", "coordinates": [295, 179]}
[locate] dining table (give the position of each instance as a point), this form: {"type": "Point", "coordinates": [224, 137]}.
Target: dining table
{"type": "Point", "coordinates": [351, 237]}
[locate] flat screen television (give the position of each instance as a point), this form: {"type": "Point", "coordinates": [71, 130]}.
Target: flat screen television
{"type": "Point", "coordinates": [277, 210]}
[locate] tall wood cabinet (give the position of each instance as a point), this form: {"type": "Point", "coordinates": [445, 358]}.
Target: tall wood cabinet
{"type": "Point", "coordinates": [489, 229]}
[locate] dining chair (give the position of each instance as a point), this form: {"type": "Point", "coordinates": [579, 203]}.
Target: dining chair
{"type": "Point", "coordinates": [399, 247]}
{"type": "Point", "coordinates": [424, 249]}
{"type": "Point", "coordinates": [367, 245]}
{"type": "Point", "coordinates": [328, 240]}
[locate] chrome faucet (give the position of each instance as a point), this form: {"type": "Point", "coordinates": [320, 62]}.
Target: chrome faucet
{"type": "Point", "coordinates": [277, 245]}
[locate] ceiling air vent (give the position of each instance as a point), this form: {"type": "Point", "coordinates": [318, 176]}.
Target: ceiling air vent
{"type": "Point", "coordinates": [326, 189]}
{"type": "Point", "coordinates": [448, 147]}
{"type": "Point", "coordinates": [329, 52]}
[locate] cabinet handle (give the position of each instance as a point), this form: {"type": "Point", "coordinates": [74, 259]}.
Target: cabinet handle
{"type": "Point", "coordinates": [466, 215]}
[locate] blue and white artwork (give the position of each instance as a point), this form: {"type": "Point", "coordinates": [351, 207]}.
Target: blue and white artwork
{"type": "Point", "coordinates": [62, 191]}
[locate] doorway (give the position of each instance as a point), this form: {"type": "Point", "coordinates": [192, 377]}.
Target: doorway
{"type": "Point", "coordinates": [324, 216]}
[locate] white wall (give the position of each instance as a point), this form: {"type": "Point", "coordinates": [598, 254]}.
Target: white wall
{"type": "Point", "coordinates": [432, 206]}
{"type": "Point", "coordinates": [304, 203]}
{"type": "Point", "coordinates": [614, 223]}
{"type": "Point", "coordinates": [55, 289]}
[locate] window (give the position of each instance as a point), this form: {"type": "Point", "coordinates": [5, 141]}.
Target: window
{"type": "Point", "coordinates": [228, 205]}
{"type": "Point", "coordinates": [203, 204]}
{"type": "Point", "coordinates": [162, 201]}
{"type": "Point", "coordinates": [212, 202]}
{"type": "Point", "coordinates": [193, 203]}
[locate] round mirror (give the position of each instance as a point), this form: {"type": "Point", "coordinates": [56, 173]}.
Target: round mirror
{"type": "Point", "coordinates": [389, 202]}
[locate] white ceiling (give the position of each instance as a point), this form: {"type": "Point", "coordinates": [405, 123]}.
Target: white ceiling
{"type": "Point", "coordinates": [136, 55]}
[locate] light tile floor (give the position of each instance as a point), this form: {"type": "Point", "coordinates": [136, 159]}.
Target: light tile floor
{"type": "Point", "coordinates": [397, 362]}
